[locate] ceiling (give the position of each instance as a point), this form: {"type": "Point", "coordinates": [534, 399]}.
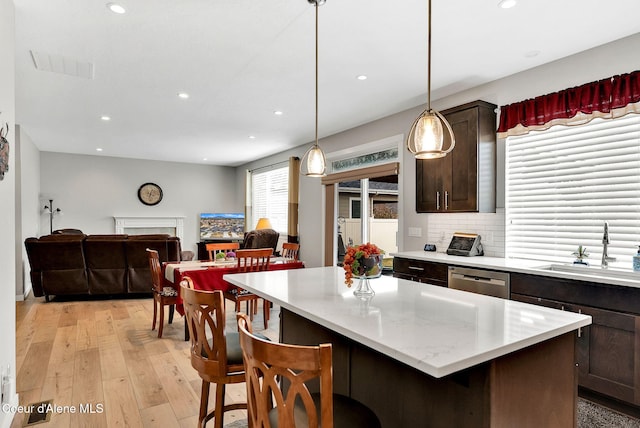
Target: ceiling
{"type": "Point", "coordinates": [241, 60]}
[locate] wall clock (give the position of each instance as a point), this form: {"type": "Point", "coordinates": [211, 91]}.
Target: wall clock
{"type": "Point", "coordinates": [150, 194]}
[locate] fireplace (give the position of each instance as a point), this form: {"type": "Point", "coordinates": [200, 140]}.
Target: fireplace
{"type": "Point", "coordinates": [173, 226]}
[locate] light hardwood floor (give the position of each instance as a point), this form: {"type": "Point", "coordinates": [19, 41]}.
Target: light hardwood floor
{"type": "Point", "coordinates": [104, 353]}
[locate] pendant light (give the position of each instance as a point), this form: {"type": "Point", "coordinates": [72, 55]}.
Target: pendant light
{"type": "Point", "coordinates": [426, 136]}
{"type": "Point", "coordinates": [313, 163]}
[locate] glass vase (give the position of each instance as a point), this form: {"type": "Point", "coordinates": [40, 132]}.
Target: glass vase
{"type": "Point", "coordinates": [370, 267]}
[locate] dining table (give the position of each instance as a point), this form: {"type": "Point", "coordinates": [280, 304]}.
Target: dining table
{"type": "Point", "coordinates": [208, 274]}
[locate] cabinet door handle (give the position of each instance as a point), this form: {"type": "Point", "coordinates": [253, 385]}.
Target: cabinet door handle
{"type": "Point", "coordinates": [437, 201]}
{"type": "Point", "coordinates": [416, 268]}
{"type": "Point", "coordinates": [446, 200]}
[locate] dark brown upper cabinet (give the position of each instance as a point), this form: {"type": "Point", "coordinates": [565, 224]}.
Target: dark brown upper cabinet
{"type": "Point", "coordinates": [465, 179]}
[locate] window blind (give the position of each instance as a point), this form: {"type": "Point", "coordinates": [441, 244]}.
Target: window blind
{"type": "Point", "coordinates": [563, 183]}
{"type": "Point", "coordinates": [270, 197]}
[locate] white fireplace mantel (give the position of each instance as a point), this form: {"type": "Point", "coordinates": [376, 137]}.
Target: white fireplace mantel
{"type": "Point", "coordinates": [129, 224]}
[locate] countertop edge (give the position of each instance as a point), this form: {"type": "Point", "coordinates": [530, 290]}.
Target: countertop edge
{"type": "Point", "coordinates": [524, 266]}
{"type": "Point", "coordinates": [437, 372]}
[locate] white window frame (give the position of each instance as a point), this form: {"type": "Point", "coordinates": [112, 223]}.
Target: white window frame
{"type": "Point", "coordinates": [270, 197]}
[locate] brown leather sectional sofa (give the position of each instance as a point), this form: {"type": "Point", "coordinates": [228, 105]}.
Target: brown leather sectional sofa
{"type": "Point", "coordinates": [77, 264]}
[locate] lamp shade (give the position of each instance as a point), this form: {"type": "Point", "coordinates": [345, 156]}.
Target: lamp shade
{"type": "Point", "coordinates": [313, 162]}
{"type": "Point", "coordinates": [263, 223]}
{"type": "Point", "coordinates": [426, 136]}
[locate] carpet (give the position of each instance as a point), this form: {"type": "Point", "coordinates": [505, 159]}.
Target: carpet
{"type": "Point", "coordinates": [590, 415]}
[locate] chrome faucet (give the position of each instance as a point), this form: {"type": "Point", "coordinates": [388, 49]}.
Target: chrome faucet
{"type": "Point", "coordinates": [605, 242]}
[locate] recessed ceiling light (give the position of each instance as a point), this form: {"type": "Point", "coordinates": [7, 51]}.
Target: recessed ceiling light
{"type": "Point", "coordinates": [361, 77]}
{"type": "Point", "coordinates": [277, 113]}
{"type": "Point", "coordinates": [252, 137]}
{"type": "Point", "coordinates": [116, 8]}
{"type": "Point", "coordinates": [204, 159]}
{"type": "Point", "coordinates": [99, 149]}
{"type": "Point", "coordinates": [183, 95]}
{"type": "Point", "coordinates": [507, 4]}
{"type": "Point", "coordinates": [531, 54]}
{"type": "Point", "coordinates": [105, 118]}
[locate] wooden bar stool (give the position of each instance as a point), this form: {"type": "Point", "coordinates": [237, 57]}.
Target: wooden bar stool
{"type": "Point", "coordinates": [277, 377]}
{"type": "Point", "coordinates": [215, 354]}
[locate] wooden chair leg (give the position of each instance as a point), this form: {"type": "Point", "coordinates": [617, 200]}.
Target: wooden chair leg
{"type": "Point", "coordinates": [266, 309]}
{"type": "Point", "coordinates": [155, 313]}
{"type": "Point", "coordinates": [161, 320]}
{"type": "Point", "coordinates": [219, 410]}
{"type": "Point", "coordinates": [172, 309]}
{"type": "Point", "coordinates": [204, 402]}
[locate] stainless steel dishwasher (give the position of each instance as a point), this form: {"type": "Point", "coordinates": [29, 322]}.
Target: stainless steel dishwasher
{"type": "Point", "coordinates": [480, 281]}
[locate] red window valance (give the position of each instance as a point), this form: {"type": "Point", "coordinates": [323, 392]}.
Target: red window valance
{"type": "Point", "coordinates": [612, 97]}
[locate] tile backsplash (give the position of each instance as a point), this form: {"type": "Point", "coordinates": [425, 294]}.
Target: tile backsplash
{"type": "Point", "coordinates": [490, 226]}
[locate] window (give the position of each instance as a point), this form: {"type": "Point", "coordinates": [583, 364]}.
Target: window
{"type": "Point", "coordinates": [562, 184]}
{"type": "Point", "coordinates": [354, 212]}
{"type": "Point", "coordinates": [270, 196]}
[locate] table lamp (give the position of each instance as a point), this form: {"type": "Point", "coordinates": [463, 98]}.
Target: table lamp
{"type": "Point", "coordinates": [263, 223]}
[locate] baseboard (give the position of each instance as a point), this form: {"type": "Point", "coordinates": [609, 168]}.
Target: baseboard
{"type": "Point", "coordinates": [8, 412]}
{"type": "Point", "coordinates": [22, 297]}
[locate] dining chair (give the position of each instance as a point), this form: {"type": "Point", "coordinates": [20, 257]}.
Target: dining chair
{"type": "Point", "coordinates": [215, 248]}
{"type": "Point", "coordinates": [215, 354]}
{"type": "Point", "coordinates": [290, 250]}
{"type": "Point", "coordinates": [250, 261]}
{"type": "Point", "coordinates": [162, 295]}
{"type": "Point", "coordinates": [278, 390]}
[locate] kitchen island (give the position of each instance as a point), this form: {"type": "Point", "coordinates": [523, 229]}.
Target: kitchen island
{"type": "Point", "coordinates": [427, 356]}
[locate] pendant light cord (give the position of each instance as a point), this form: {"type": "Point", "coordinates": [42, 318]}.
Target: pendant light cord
{"type": "Point", "coordinates": [429, 59]}
{"type": "Point", "coordinates": [317, 6]}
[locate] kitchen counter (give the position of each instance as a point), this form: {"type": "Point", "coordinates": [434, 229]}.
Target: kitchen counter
{"type": "Point", "coordinates": [414, 351]}
{"type": "Point", "coordinates": [614, 275]}
{"type": "Point", "coordinates": [436, 330]}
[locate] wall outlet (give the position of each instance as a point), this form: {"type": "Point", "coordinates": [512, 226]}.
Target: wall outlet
{"type": "Point", "coordinates": [8, 386]}
{"type": "Point", "coordinates": [414, 231]}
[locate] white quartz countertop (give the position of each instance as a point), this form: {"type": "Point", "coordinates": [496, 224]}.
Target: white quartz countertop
{"type": "Point", "coordinates": [614, 275]}
{"type": "Point", "coordinates": [436, 330]}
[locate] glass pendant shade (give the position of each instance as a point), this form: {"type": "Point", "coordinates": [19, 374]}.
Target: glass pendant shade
{"type": "Point", "coordinates": [313, 162]}
{"type": "Point", "coordinates": [426, 138]}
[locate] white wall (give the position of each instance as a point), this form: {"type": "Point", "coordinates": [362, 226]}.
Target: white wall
{"type": "Point", "coordinates": [91, 190]}
{"type": "Point", "coordinates": [601, 62]}
{"type": "Point", "coordinates": [8, 202]}
{"type": "Point", "coordinates": [29, 163]}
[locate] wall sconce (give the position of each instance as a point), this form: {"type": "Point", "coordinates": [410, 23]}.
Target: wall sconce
{"type": "Point", "coordinates": [51, 211]}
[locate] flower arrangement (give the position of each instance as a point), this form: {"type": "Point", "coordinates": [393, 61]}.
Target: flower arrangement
{"type": "Point", "coordinates": [357, 262]}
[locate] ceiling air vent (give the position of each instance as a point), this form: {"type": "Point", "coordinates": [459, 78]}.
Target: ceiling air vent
{"type": "Point", "coordinates": [62, 64]}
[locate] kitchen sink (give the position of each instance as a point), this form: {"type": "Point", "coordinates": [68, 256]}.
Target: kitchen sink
{"type": "Point", "coordinates": [596, 271]}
